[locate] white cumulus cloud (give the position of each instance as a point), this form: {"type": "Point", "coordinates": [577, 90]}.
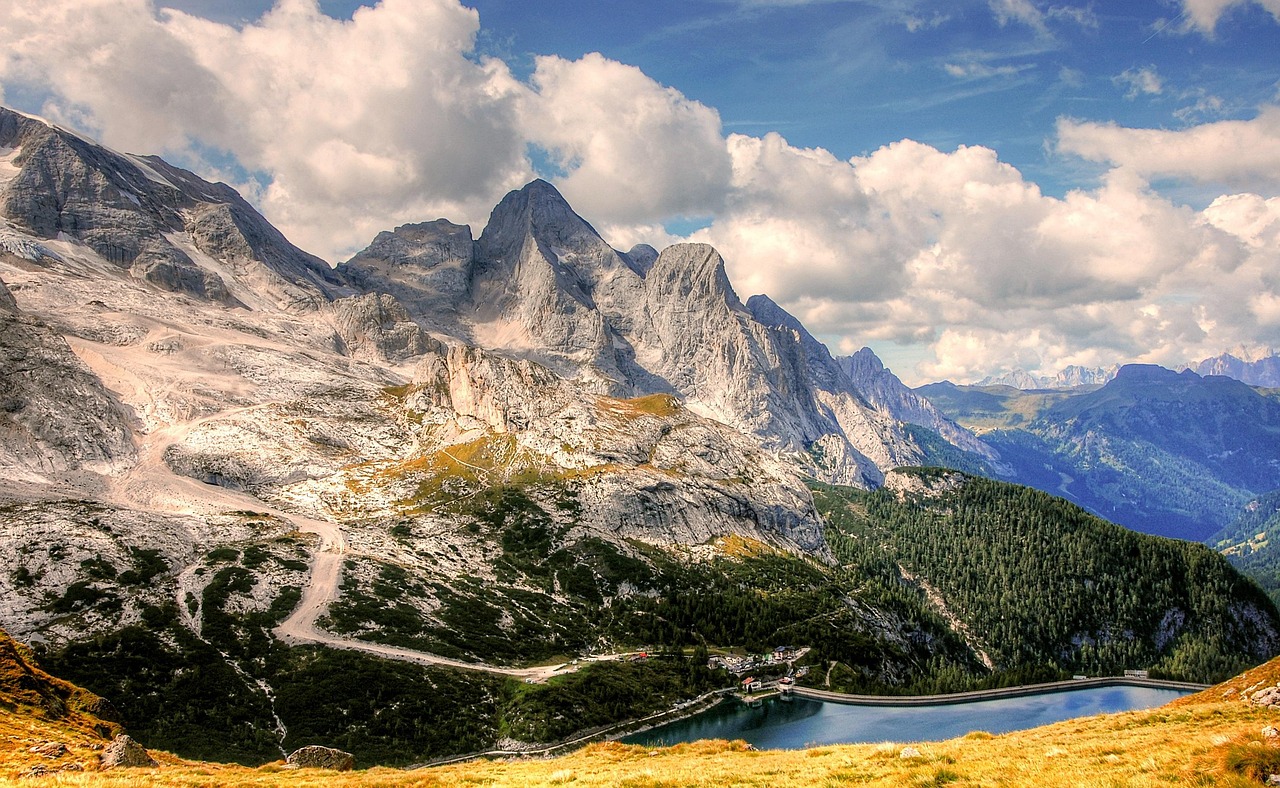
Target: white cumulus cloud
{"type": "Point", "coordinates": [1203, 15]}
{"type": "Point", "coordinates": [1236, 152]}
{"type": "Point", "coordinates": [634, 151]}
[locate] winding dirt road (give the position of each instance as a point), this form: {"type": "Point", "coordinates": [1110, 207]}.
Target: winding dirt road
{"type": "Point", "coordinates": [151, 485]}
{"type": "Point", "coordinates": [322, 589]}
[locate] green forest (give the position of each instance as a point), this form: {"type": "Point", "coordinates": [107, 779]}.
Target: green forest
{"type": "Point", "coordinates": [1044, 585]}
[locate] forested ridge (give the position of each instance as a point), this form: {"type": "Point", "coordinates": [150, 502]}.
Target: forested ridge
{"type": "Point", "coordinates": [1252, 542]}
{"type": "Point", "coordinates": [1043, 584]}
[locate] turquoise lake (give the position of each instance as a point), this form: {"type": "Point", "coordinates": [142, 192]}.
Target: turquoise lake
{"type": "Point", "coordinates": [795, 723]}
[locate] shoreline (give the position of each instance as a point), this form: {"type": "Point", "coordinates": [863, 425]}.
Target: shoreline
{"type": "Point", "coordinates": [972, 696]}
{"type": "Point", "coordinates": [708, 700]}
{"type": "Point", "coordinates": [607, 733]}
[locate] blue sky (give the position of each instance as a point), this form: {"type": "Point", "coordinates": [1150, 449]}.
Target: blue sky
{"type": "Point", "coordinates": [964, 186]}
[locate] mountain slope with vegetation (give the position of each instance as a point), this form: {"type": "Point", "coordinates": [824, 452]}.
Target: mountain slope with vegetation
{"type": "Point", "coordinates": [1043, 585]}
{"type": "Point", "coordinates": [1162, 452]}
{"type": "Point", "coordinates": [1252, 542]}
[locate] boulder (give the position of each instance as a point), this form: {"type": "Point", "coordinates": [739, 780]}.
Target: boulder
{"type": "Point", "coordinates": [50, 749]}
{"type": "Point", "coordinates": [1268, 696]}
{"type": "Point", "coordinates": [124, 751]}
{"type": "Point", "coordinates": [316, 757]}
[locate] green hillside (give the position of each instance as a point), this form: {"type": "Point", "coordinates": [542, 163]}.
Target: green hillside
{"type": "Point", "coordinates": [1042, 584]}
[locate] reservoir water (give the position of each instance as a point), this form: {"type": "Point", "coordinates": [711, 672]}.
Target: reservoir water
{"type": "Point", "coordinates": [795, 723]}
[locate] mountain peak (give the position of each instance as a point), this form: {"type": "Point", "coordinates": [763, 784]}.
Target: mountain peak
{"type": "Point", "coordinates": [1147, 373]}
{"type": "Point", "coordinates": [537, 210]}
{"type": "Point", "coordinates": [867, 358]}
{"type": "Point", "coordinates": [694, 271]}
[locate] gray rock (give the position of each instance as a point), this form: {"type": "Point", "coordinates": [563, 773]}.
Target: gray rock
{"type": "Point", "coordinates": [1267, 696]}
{"type": "Point", "coordinates": [889, 395]}
{"type": "Point", "coordinates": [7, 302]}
{"type": "Point", "coordinates": [376, 326]}
{"type": "Point", "coordinates": [172, 269]}
{"type": "Point", "coordinates": [55, 414]}
{"type": "Point", "coordinates": [50, 749]}
{"type": "Point", "coordinates": [316, 757]}
{"type": "Point", "coordinates": [130, 209]}
{"type": "Point", "coordinates": [124, 752]}
{"type": "Point", "coordinates": [426, 266]}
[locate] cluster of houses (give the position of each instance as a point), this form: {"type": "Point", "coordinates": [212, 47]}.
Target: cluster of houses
{"type": "Point", "coordinates": [781, 655]}
{"type": "Point", "coordinates": [774, 663]}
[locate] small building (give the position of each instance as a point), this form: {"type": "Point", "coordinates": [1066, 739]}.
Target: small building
{"type": "Point", "coordinates": [1137, 674]}
{"type": "Point", "coordinates": [750, 684]}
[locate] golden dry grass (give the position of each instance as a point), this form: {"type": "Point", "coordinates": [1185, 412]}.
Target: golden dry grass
{"type": "Point", "coordinates": [1192, 744]}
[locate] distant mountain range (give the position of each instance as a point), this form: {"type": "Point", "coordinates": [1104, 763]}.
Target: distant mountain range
{"type": "Point", "coordinates": [1164, 452]}
{"type": "Point", "coordinates": [1255, 368]}
{"type": "Point", "coordinates": [1069, 377]}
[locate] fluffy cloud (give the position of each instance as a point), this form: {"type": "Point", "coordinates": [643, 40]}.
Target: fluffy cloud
{"type": "Point", "coordinates": [1137, 81]}
{"type": "Point", "coordinates": [956, 250]}
{"type": "Point", "coordinates": [634, 151]}
{"type": "Point", "coordinates": [1241, 153]}
{"type": "Point", "coordinates": [353, 125]}
{"type": "Point", "coordinates": [1203, 15]}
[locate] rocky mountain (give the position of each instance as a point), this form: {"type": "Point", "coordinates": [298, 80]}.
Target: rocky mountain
{"type": "Point", "coordinates": [160, 224]}
{"type": "Point", "coordinates": [542, 285]}
{"type": "Point", "coordinates": [1068, 377]}
{"type": "Point", "coordinates": [231, 473]}
{"type": "Point", "coordinates": [1254, 369]}
{"type": "Point", "coordinates": [885, 392]}
{"type": "Point", "coordinates": [1163, 452]}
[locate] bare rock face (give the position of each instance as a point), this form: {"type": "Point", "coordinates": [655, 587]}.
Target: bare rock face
{"type": "Point", "coordinates": [170, 268]}
{"type": "Point", "coordinates": [927, 485]}
{"type": "Point", "coordinates": [55, 414]}
{"type": "Point", "coordinates": [426, 266]}
{"type": "Point", "coordinates": [546, 282]}
{"type": "Point", "coordinates": [316, 757]}
{"type": "Point", "coordinates": [545, 286]}
{"type": "Point", "coordinates": [124, 752]}
{"type": "Point", "coordinates": [376, 326]}
{"type": "Point", "coordinates": [884, 391]}
{"type": "Point", "coordinates": [7, 302]}
{"type": "Point", "coordinates": [138, 213]}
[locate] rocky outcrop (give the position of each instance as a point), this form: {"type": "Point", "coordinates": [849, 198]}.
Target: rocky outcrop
{"type": "Point", "coordinates": [55, 414]}
{"type": "Point", "coordinates": [885, 392]}
{"type": "Point", "coordinates": [137, 213]}
{"type": "Point", "coordinates": [124, 752]}
{"type": "Point", "coordinates": [426, 266]}
{"type": "Point", "coordinates": [7, 302]}
{"type": "Point", "coordinates": [923, 483]}
{"type": "Point", "coordinates": [316, 757]}
{"type": "Point", "coordinates": [545, 284]}
{"type": "Point", "coordinates": [376, 327]}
